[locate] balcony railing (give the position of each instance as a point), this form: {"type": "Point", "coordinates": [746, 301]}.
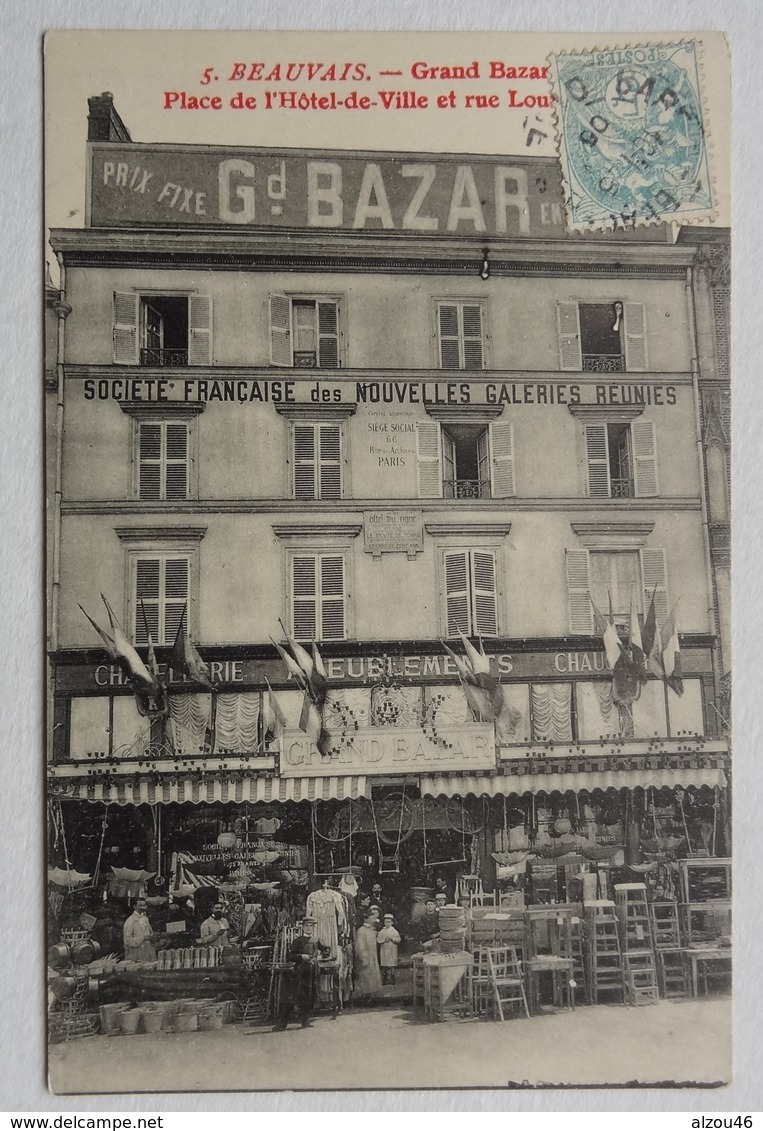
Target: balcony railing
{"type": "Point", "coordinates": [466, 489]}
{"type": "Point", "coordinates": [162, 358]}
{"type": "Point", "coordinates": [621, 489]}
{"type": "Point", "coordinates": [603, 363]}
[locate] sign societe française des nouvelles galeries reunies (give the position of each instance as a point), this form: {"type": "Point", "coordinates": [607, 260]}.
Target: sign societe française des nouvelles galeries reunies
{"type": "Point", "coordinates": [189, 186]}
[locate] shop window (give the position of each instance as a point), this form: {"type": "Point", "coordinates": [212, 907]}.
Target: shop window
{"type": "Point", "coordinates": [597, 714]}
{"type": "Point", "coordinates": [460, 335]}
{"type": "Point", "coordinates": [162, 330]}
{"type": "Point", "coordinates": [131, 732]}
{"type": "Point", "coordinates": [648, 711]}
{"type": "Point", "coordinates": [621, 460]}
{"type": "Point", "coordinates": [316, 460]}
{"type": "Point", "coordinates": [465, 460]}
{"type": "Point", "coordinates": [305, 332]}
{"type": "Point", "coordinates": [163, 460]}
{"type": "Point", "coordinates": [602, 337]}
{"type": "Point", "coordinates": [551, 712]}
{"type": "Point", "coordinates": [90, 727]}
{"type": "Point", "coordinates": [610, 578]}
{"type": "Point", "coordinates": [318, 596]}
{"type": "Point", "coordinates": [471, 597]}
{"type": "Point", "coordinates": [160, 595]}
{"type": "Point", "coordinates": [685, 711]}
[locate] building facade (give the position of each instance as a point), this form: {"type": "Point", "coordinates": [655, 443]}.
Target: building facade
{"type": "Point", "coordinates": [373, 402]}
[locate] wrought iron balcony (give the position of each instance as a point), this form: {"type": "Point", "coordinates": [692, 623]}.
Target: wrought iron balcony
{"type": "Point", "coordinates": [466, 488]}
{"type": "Point", "coordinates": [162, 358]}
{"type": "Point", "coordinates": [621, 489]}
{"type": "Point", "coordinates": [603, 363]}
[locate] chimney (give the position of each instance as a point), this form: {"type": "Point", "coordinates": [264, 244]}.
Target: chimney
{"type": "Point", "coordinates": [103, 121]}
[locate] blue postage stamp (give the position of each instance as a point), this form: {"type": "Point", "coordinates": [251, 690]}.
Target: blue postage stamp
{"type": "Point", "coordinates": [632, 135]}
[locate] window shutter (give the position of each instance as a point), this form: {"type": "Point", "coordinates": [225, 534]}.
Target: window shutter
{"type": "Point", "coordinates": [579, 591]}
{"type": "Point", "coordinates": [304, 596]}
{"type": "Point", "coordinates": [146, 605]}
{"type": "Point", "coordinates": [448, 465]}
{"type": "Point", "coordinates": [484, 602]}
{"type": "Point", "coordinates": [457, 592]}
{"type": "Point", "coordinates": [330, 482]}
{"type": "Point", "coordinates": [200, 330]}
{"type": "Point", "coordinates": [597, 456]}
{"type": "Point", "coordinates": [447, 327]}
{"type": "Point", "coordinates": [280, 331]}
{"type": "Point", "coordinates": [644, 458]}
{"type": "Point", "coordinates": [125, 331]}
{"type": "Point", "coordinates": [471, 318]}
{"type": "Point", "coordinates": [502, 447]}
{"type": "Point", "coordinates": [568, 323]}
{"type": "Point", "coordinates": [304, 461]}
{"type": "Point", "coordinates": [176, 591]}
{"type": "Point", "coordinates": [654, 578]}
{"type": "Point", "coordinates": [328, 335]}
{"type": "Point", "coordinates": [150, 461]}
{"type": "Point", "coordinates": [634, 319]}
{"type": "Point", "coordinates": [332, 597]}
{"type": "Point", "coordinates": [484, 475]}
{"type": "Point", "coordinates": [176, 436]}
{"type": "Point", "coordinates": [428, 459]}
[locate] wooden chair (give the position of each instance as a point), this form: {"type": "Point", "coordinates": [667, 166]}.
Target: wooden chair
{"type": "Point", "coordinates": [506, 981]}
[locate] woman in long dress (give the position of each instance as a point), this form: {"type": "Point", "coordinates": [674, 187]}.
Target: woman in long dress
{"type": "Point", "coordinates": [367, 973]}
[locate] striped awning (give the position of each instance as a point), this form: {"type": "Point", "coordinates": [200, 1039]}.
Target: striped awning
{"type": "Point", "coordinates": [461, 785]}
{"type": "Point", "coordinates": [250, 789]}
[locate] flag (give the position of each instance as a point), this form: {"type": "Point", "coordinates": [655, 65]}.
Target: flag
{"type": "Point", "coordinates": [293, 668]}
{"type": "Point", "coordinates": [671, 654]}
{"type": "Point", "coordinates": [636, 643]}
{"type": "Point", "coordinates": [606, 629]}
{"type": "Point", "coordinates": [125, 651]}
{"type": "Point", "coordinates": [301, 655]}
{"type": "Point", "coordinates": [317, 681]}
{"type": "Point", "coordinates": [483, 691]}
{"type": "Point", "coordinates": [122, 652]}
{"type": "Point", "coordinates": [185, 659]}
{"type": "Point", "coordinates": [651, 641]}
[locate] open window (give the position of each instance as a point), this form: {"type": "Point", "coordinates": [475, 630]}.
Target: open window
{"type": "Point", "coordinates": [602, 337]}
{"type": "Point", "coordinates": [465, 460]}
{"type": "Point", "coordinates": [162, 330]}
{"type": "Point", "coordinates": [304, 332]}
{"type": "Point", "coordinates": [621, 459]}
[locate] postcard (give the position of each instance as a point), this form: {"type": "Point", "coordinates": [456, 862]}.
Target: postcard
{"type": "Point", "coordinates": [389, 649]}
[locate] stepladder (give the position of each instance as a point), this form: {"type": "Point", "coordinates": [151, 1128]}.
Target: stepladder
{"type": "Point", "coordinates": [603, 954]}
{"type": "Point", "coordinates": [640, 977]}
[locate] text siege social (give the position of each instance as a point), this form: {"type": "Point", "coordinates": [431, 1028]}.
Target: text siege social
{"type": "Point", "coordinates": [147, 185]}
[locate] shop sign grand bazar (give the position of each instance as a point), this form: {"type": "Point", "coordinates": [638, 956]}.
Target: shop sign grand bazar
{"type": "Point", "coordinates": [384, 750]}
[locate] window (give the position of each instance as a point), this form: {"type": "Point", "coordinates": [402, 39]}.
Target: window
{"type": "Point", "coordinates": [318, 596]}
{"type": "Point", "coordinates": [601, 575]}
{"type": "Point", "coordinates": [161, 590]}
{"type": "Point", "coordinates": [621, 460]}
{"type": "Point", "coordinates": [465, 460]}
{"type": "Point", "coordinates": [316, 460]}
{"type": "Point", "coordinates": [471, 599]}
{"type": "Point", "coordinates": [304, 332]}
{"type": "Point", "coordinates": [460, 335]}
{"type": "Point", "coordinates": [602, 337]}
{"type": "Point", "coordinates": [163, 460]}
{"type": "Point", "coordinates": [162, 330]}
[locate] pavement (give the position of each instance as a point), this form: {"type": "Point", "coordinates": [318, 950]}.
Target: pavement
{"type": "Point", "coordinates": [671, 1042]}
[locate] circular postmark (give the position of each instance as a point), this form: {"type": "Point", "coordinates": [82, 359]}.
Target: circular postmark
{"type": "Point", "coordinates": [632, 134]}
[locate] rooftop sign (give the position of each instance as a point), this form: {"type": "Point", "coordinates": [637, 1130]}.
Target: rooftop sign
{"type": "Point", "coordinates": [203, 186]}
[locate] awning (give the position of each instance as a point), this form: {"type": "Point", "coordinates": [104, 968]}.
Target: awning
{"type": "Point", "coordinates": [455, 785]}
{"type": "Point", "coordinates": [251, 789]}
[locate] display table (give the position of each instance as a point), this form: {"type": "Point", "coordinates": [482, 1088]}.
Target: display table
{"type": "Point", "coordinates": [699, 956]}
{"type": "Point", "coordinates": [164, 985]}
{"type": "Point", "coordinates": [446, 988]}
{"type": "Point", "coordinates": [561, 971]}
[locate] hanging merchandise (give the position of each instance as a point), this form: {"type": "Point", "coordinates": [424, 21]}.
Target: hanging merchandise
{"type": "Point", "coordinates": [129, 882]}
{"type": "Point", "coordinates": [68, 878]}
{"type": "Point", "coordinates": [353, 825]}
{"type": "Point", "coordinates": [455, 860]}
